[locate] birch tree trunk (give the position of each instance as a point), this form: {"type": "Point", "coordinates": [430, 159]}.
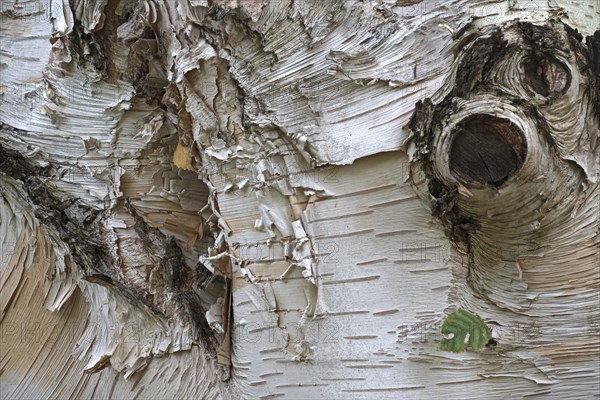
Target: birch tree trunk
{"type": "Point", "coordinates": [276, 198]}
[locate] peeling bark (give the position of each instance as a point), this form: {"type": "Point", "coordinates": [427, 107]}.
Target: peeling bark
{"type": "Point", "coordinates": [260, 199]}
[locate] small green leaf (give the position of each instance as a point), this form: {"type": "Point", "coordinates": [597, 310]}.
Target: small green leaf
{"type": "Point", "coordinates": [461, 323]}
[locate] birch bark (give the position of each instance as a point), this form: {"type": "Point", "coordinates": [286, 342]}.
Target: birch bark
{"type": "Point", "coordinates": [260, 199]}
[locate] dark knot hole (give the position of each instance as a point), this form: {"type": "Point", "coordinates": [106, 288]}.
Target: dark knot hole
{"type": "Point", "coordinates": [486, 150]}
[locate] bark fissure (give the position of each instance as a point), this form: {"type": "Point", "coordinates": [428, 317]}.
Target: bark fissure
{"type": "Point", "coordinates": [79, 226]}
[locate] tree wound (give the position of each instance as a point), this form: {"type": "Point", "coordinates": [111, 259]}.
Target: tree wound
{"type": "Point", "coordinates": [546, 77]}
{"type": "Point", "coordinates": [486, 151]}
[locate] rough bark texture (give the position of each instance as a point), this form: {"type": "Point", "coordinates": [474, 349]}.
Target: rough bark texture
{"type": "Point", "coordinates": [258, 199]}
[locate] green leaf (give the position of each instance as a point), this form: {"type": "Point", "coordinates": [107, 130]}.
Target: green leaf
{"type": "Point", "coordinates": [461, 323]}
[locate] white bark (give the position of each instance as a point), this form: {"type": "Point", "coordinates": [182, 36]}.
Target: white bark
{"type": "Point", "coordinates": [244, 199]}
